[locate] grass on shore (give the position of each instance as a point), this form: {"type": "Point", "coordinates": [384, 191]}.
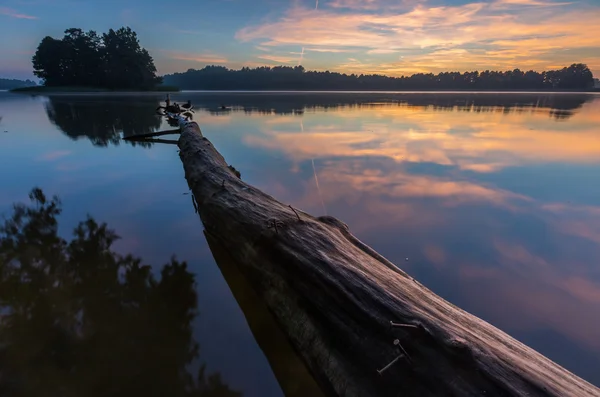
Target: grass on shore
{"type": "Point", "coordinates": [43, 89]}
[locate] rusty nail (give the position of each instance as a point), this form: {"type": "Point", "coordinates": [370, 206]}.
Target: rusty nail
{"type": "Point", "coordinates": [393, 324]}
{"type": "Point", "coordinates": [380, 371]}
{"type": "Point", "coordinates": [397, 343]}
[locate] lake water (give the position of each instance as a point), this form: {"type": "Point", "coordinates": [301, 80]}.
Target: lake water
{"type": "Point", "coordinates": [491, 200]}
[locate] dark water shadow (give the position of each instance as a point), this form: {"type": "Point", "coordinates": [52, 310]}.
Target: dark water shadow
{"type": "Point", "coordinates": [293, 376]}
{"type": "Point", "coordinates": [103, 119]}
{"type": "Point", "coordinates": [81, 320]}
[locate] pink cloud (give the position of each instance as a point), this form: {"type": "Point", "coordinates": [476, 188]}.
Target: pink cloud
{"type": "Point", "coordinates": [521, 297]}
{"type": "Point", "coordinates": [190, 56]}
{"type": "Point", "coordinates": [531, 3]}
{"type": "Point", "coordinates": [279, 58]}
{"type": "Point", "coordinates": [382, 51]}
{"type": "Point", "coordinates": [435, 255]}
{"type": "Point", "coordinates": [363, 4]}
{"type": "Point", "coordinates": [9, 12]}
{"type": "Point", "coordinates": [324, 49]}
{"type": "Point", "coordinates": [55, 155]}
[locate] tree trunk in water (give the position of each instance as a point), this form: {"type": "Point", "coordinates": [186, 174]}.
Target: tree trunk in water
{"type": "Point", "coordinates": [334, 298]}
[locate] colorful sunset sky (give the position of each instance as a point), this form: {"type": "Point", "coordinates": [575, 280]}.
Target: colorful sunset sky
{"type": "Point", "coordinates": [394, 37]}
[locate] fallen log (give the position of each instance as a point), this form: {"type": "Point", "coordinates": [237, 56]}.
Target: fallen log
{"type": "Point", "coordinates": [335, 298]}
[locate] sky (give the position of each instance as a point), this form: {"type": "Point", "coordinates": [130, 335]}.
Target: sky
{"type": "Point", "coordinates": [393, 37]}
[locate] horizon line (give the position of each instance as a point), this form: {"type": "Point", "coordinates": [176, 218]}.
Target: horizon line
{"type": "Point", "coordinates": [34, 78]}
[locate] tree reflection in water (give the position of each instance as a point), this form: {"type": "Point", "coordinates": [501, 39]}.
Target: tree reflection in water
{"type": "Point", "coordinates": [81, 320]}
{"type": "Point", "coordinates": [103, 119]}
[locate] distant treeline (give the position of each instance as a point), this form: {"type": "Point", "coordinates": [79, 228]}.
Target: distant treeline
{"type": "Point", "coordinates": [113, 60]}
{"type": "Point", "coordinates": [9, 84]}
{"type": "Point", "coordinates": [575, 77]}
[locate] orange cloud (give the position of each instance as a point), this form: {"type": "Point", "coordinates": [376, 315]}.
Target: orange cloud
{"type": "Point", "coordinates": [190, 56]}
{"type": "Point", "coordinates": [391, 197]}
{"type": "Point", "coordinates": [210, 120]}
{"type": "Point", "coordinates": [325, 49]}
{"type": "Point", "coordinates": [501, 35]}
{"type": "Point", "coordinates": [169, 61]}
{"type": "Point", "coordinates": [383, 51]}
{"type": "Point", "coordinates": [279, 58]}
{"type": "Point", "coordinates": [201, 58]}
{"type": "Point", "coordinates": [496, 138]}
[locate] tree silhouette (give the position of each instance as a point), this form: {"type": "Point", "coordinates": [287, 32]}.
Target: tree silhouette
{"type": "Point", "coordinates": [79, 319]}
{"type": "Point", "coordinates": [576, 76]}
{"type": "Point", "coordinates": [9, 84]}
{"type": "Point", "coordinates": [103, 120]}
{"type": "Point", "coordinates": [113, 60]}
{"type": "Point", "coordinates": [127, 64]}
{"type": "Point", "coordinates": [50, 62]}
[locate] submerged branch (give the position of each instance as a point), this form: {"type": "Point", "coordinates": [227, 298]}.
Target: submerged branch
{"type": "Point", "coordinates": [152, 134]}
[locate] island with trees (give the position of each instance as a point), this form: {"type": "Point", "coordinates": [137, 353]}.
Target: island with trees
{"type": "Point", "coordinates": [9, 84]}
{"type": "Point", "coordinates": [87, 61]}
{"type": "Point", "coordinates": [576, 77]}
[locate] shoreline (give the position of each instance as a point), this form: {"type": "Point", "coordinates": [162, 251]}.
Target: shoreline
{"type": "Point", "coordinates": [77, 90]}
{"type": "Point", "coordinates": [416, 91]}
{"type": "Point", "coordinates": [167, 89]}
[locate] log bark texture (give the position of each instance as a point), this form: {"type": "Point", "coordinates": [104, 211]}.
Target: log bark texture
{"type": "Point", "coordinates": [334, 298]}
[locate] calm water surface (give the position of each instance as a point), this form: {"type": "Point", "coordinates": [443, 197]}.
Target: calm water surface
{"type": "Point", "coordinates": [491, 200]}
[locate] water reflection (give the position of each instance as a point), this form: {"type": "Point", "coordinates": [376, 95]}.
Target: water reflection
{"type": "Point", "coordinates": [493, 199]}
{"type": "Point", "coordinates": [79, 319]}
{"type": "Point", "coordinates": [497, 211]}
{"type": "Point", "coordinates": [103, 119]}
{"type": "Point", "coordinates": [296, 103]}
{"type": "Point", "coordinates": [414, 136]}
